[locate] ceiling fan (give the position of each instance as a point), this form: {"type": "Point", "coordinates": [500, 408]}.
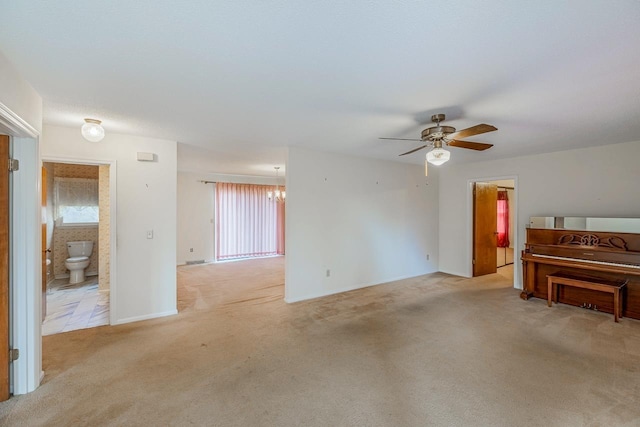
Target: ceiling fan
{"type": "Point", "coordinates": [439, 136]}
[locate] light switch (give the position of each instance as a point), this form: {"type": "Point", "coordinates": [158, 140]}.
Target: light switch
{"type": "Point", "coordinates": [150, 234]}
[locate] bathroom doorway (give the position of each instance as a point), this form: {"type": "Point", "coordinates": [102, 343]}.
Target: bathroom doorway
{"type": "Point", "coordinates": [76, 235]}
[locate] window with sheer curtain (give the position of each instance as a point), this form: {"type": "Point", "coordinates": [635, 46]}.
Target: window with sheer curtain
{"type": "Point", "coordinates": [76, 200]}
{"type": "Point", "coordinates": [248, 224]}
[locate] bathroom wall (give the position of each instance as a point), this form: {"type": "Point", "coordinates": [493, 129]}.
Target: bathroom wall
{"type": "Point", "coordinates": [68, 170]}
{"type": "Point", "coordinates": [104, 226]}
{"type": "Point", "coordinates": [62, 235]}
{"type": "Point", "coordinates": [50, 220]}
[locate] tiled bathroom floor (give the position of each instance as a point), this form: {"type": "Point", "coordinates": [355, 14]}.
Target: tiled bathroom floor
{"type": "Point", "coordinates": [71, 307]}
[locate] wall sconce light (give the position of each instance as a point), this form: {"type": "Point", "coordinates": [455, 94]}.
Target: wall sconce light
{"type": "Point", "coordinates": [92, 130]}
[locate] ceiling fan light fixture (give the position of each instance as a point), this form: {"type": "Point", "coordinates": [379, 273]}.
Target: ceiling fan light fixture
{"type": "Point", "coordinates": [438, 156]}
{"type": "Point", "coordinates": [439, 135]}
{"type": "Point", "coordinates": [92, 130]}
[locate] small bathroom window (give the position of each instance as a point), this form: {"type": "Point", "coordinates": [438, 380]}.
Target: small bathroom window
{"type": "Point", "coordinates": [76, 201]}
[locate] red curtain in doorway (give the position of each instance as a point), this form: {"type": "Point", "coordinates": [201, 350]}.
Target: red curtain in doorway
{"type": "Point", "coordinates": [248, 224]}
{"type": "Point", "coordinates": [503, 219]}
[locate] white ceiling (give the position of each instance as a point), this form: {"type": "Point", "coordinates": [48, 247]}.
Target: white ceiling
{"type": "Point", "coordinates": [235, 82]}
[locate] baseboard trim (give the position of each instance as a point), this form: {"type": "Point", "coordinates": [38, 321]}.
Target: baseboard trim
{"type": "Point", "coordinates": [351, 288]}
{"type": "Point", "coordinates": [145, 317]}
{"type": "Point", "coordinates": [189, 263]}
{"type": "Point", "coordinates": [457, 273]}
{"type": "Point", "coordinates": [66, 276]}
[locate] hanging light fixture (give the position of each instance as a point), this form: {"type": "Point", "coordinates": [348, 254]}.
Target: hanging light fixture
{"type": "Point", "coordinates": [92, 130]}
{"type": "Point", "coordinates": [438, 155]}
{"type": "Point", "coordinates": [277, 195]}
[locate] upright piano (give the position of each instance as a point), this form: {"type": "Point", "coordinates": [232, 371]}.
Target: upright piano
{"type": "Point", "coordinates": [606, 255]}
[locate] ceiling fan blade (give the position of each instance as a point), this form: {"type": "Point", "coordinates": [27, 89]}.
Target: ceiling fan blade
{"type": "Point", "coordinates": [414, 150]}
{"type": "Point", "coordinates": [473, 130]}
{"type": "Point", "coordinates": [479, 146]}
{"type": "Point", "coordinates": [402, 139]}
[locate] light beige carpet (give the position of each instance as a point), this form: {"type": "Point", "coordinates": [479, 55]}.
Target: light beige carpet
{"type": "Point", "coordinates": [434, 350]}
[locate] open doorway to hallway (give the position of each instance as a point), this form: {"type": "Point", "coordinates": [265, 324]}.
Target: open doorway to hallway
{"type": "Point", "coordinates": [494, 230]}
{"type": "Point", "coordinates": [76, 235]}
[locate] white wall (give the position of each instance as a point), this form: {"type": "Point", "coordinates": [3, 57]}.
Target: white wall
{"type": "Point", "coordinates": [18, 96]}
{"type": "Point", "coordinates": [21, 117]}
{"type": "Point", "coordinates": [599, 181]}
{"type": "Point", "coordinates": [195, 219]}
{"type": "Point", "coordinates": [144, 285]}
{"type": "Point", "coordinates": [367, 221]}
{"type": "Point", "coordinates": [576, 223]}
{"type": "Point", "coordinates": [26, 270]}
{"type": "Point", "coordinates": [628, 225]}
{"type": "Point", "coordinates": [196, 225]}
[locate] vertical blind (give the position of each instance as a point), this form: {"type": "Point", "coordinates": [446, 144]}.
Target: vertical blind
{"type": "Point", "coordinates": [248, 224]}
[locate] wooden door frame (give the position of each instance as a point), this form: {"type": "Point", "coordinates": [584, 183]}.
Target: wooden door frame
{"type": "Point", "coordinates": [517, 282]}
{"type": "Point", "coordinates": [25, 257]}
{"type": "Point", "coordinates": [5, 289]}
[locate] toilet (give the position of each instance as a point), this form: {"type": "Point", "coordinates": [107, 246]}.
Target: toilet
{"type": "Point", "coordinates": [79, 253]}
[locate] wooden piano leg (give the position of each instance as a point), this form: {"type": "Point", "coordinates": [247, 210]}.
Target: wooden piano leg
{"type": "Point", "coordinates": [525, 295]}
{"type": "Point", "coordinates": [616, 304]}
{"type": "Point", "coordinates": [549, 291]}
{"type": "Point", "coordinates": [621, 298]}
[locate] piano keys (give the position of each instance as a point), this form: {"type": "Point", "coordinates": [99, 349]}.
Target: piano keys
{"type": "Point", "coordinates": [609, 255]}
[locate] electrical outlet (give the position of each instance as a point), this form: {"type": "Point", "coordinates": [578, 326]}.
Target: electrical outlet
{"type": "Point", "coordinates": [190, 249]}
{"type": "Point", "coordinates": [328, 273]}
{"type": "Point", "coordinates": [150, 234]}
{"type": "Point", "coordinates": [427, 257]}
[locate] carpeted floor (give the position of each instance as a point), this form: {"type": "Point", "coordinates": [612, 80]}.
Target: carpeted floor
{"type": "Point", "coordinates": [435, 350]}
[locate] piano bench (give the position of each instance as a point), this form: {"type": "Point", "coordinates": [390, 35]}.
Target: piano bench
{"type": "Point", "coordinates": [586, 282]}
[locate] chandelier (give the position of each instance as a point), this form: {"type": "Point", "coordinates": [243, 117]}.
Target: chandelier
{"type": "Point", "coordinates": [277, 195]}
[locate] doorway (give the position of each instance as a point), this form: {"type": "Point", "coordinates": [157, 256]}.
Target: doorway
{"type": "Point", "coordinates": [249, 221]}
{"type": "Point", "coordinates": [76, 217]}
{"type": "Point", "coordinates": [494, 233]}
